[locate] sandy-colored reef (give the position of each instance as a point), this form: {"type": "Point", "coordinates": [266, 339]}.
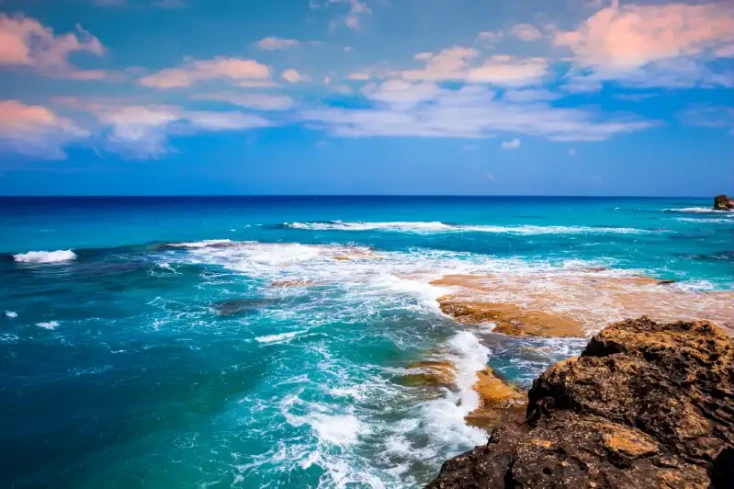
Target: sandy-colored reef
{"type": "Point", "coordinates": [563, 305]}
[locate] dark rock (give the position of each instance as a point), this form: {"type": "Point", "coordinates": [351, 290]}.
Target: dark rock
{"type": "Point", "coordinates": [645, 405]}
{"type": "Point", "coordinates": [723, 203]}
{"type": "Point", "coordinates": [234, 307]}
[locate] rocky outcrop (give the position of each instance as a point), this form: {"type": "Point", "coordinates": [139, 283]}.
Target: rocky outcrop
{"type": "Point", "coordinates": [645, 405]}
{"type": "Point", "coordinates": [723, 203]}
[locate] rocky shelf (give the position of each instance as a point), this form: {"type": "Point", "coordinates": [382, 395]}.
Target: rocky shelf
{"type": "Point", "coordinates": [646, 405]}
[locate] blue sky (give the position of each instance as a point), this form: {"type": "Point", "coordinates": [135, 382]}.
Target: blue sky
{"type": "Point", "coordinates": [555, 97]}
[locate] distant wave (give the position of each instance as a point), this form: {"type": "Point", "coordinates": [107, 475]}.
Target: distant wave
{"type": "Point", "coordinates": [207, 243]}
{"type": "Point", "coordinates": [48, 325]}
{"type": "Point", "coordinates": [45, 256]}
{"type": "Point", "coordinates": [440, 227]}
{"type": "Point", "coordinates": [705, 220]}
{"type": "Point", "coordinates": [700, 210]}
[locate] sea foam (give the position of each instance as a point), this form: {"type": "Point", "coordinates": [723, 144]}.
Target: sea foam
{"type": "Point", "coordinates": [45, 256]}
{"type": "Point", "coordinates": [48, 325]}
{"type": "Point", "coordinates": [439, 227]}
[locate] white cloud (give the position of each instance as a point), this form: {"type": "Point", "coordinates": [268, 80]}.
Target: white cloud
{"type": "Point", "coordinates": [250, 100]}
{"type": "Point", "coordinates": [469, 112]}
{"type": "Point", "coordinates": [490, 36]}
{"type": "Point", "coordinates": [276, 44]}
{"type": "Point", "coordinates": [703, 115]}
{"type": "Point", "coordinates": [526, 32]}
{"type": "Point", "coordinates": [293, 76]}
{"type": "Point", "coordinates": [509, 70]}
{"type": "Point", "coordinates": [513, 143]}
{"type": "Point", "coordinates": [358, 76]}
{"type": "Point", "coordinates": [455, 64]}
{"type": "Point", "coordinates": [36, 131]}
{"type": "Point", "coordinates": [194, 71]}
{"type": "Point", "coordinates": [142, 131]}
{"type": "Point", "coordinates": [530, 95]}
{"type": "Point", "coordinates": [25, 42]}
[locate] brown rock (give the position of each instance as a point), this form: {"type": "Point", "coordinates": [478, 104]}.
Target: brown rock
{"type": "Point", "coordinates": [510, 319]}
{"type": "Point", "coordinates": [723, 203]}
{"type": "Point", "coordinates": [430, 372]}
{"type": "Point", "coordinates": [498, 400]}
{"type": "Point", "coordinates": [645, 405]}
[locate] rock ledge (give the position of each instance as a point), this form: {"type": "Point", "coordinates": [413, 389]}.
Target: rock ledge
{"type": "Point", "coordinates": [645, 405]}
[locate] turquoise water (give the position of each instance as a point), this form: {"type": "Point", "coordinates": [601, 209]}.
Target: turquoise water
{"type": "Point", "coordinates": [146, 346]}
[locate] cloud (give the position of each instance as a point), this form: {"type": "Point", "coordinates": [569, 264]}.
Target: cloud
{"type": "Point", "coordinates": [25, 42]}
{"type": "Point", "coordinates": [490, 36]}
{"type": "Point", "coordinates": [264, 102]}
{"type": "Point", "coordinates": [143, 131]}
{"type": "Point", "coordinates": [572, 152]}
{"type": "Point", "coordinates": [526, 32]}
{"type": "Point", "coordinates": [631, 43]}
{"type": "Point", "coordinates": [276, 44]}
{"type": "Point", "coordinates": [448, 64]}
{"type": "Point", "coordinates": [469, 112]}
{"type": "Point", "coordinates": [454, 64]}
{"type": "Point", "coordinates": [293, 76]}
{"type": "Point", "coordinates": [358, 76]}
{"type": "Point", "coordinates": [36, 131]}
{"type": "Point", "coordinates": [162, 4]}
{"type": "Point", "coordinates": [702, 115]}
{"type": "Point", "coordinates": [353, 17]}
{"type": "Point", "coordinates": [530, 95]}
{"type": "Point", "coordinates": [513, 143]}
{"type": "Point", "coordinates": [509, 70]}
{"type": "Point", "coordinates": [194, 71]}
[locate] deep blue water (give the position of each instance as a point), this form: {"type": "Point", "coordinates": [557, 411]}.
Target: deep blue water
{"type": "Point", "coordinates": [135, 351]}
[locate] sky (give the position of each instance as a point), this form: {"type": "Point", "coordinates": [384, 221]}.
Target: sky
{"type": "Point", "coordinates": [408, 97]}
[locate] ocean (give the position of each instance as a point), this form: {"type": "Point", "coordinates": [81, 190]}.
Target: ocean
{"type": "Point", "coordinates": [252, 342]}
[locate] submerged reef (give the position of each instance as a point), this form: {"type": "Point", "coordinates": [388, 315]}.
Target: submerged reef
{"type": "Point", "coordinates": [646, 404]}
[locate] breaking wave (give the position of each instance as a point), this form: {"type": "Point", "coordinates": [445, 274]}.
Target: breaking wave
{"type": "Point", "coordinates": [45, 256]}
{"type": "Point", "coordinates": [440, 227]}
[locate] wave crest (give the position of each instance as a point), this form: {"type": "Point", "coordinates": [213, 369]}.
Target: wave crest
{"type": "Point", "coordinates": [45, 256]}
{"type": "Point", "coordinates": [426, 227]}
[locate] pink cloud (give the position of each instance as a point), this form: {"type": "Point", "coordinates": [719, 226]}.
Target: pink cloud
{"type": "Point", "coordinates": [276, 44]}
{"type": "Point", "coordinates": [25, 42]}
{"type": "Point", "coordinates": [629, 36]}
{"type": "Point", "coordinates": [526, 32]}
{"type": "Point", "coordinates": [236, 69]}
{"type": "Point", "coordinates": [35, 130]}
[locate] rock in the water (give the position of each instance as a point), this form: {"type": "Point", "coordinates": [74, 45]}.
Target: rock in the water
{"type": "Point", "coordinates": [723, 203]}
{"type": "Point", "coordinates": [645, 405]}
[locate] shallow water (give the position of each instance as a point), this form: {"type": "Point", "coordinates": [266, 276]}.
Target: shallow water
{"type": "Point", "coordinates": [143, 343]}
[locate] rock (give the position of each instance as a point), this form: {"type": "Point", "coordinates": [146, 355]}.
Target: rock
{"type": "Point", "coordinates": [510, 319]}
{"type": "Point", "coordinates": [430, 372]}
{"type": "Point", "coordinates": [645, 405]}
{"type": "Point", "coordinates": [723, 203]}
{"type": "Point", "coordinates": [498, 400]}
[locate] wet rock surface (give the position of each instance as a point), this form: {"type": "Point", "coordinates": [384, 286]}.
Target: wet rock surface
{"type": "Point", "coordinates": [723, 203]}
{"type": "Point", "coordinates": [645, 405]}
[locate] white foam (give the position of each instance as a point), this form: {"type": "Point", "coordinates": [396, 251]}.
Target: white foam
{"type": "Point", "coordinates": [279, 338]}
{"type": "Point", "coordinates": [50, 325]}
{"type": "Point", "coordinates": [700, 210]}
{"type": "Point", "coordinates": [447, 416]}
{"type": "Point", "coordinates": [705, 220]}
{"type": "Point", "coordinates": [45, 256]}
{"type": "Point", "coordinates": [202, 244]}
{"type": "Point", "coordinates": [11, 314]}
{"type": "Point", "coordinates": [439, 227]}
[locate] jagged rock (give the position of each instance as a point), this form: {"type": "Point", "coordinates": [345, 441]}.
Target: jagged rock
{"type": "Point", "coordinates": [723, 203]}
{"type": "Point", "coordinates": [645, 405]}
